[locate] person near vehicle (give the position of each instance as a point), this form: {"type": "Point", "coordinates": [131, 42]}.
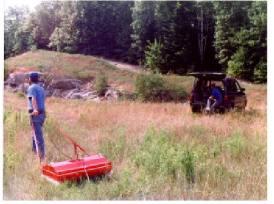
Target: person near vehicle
{"type": "Point", "coordinates": [215, 98]}
{"type": "Point", "coordinates": [36, 109]}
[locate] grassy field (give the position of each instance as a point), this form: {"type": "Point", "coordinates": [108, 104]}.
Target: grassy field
{"type": "Point", "coordinates": [158, 150]}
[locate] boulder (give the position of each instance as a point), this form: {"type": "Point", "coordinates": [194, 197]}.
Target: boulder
{"type": "Point", "coordinates": [65, 84]}
{"type": "Point", "coordinates": [112, 94]}
{"type": "Point", "coordinates": [68, 94]}
{"type": "Point", "coordinates": [76, 96]}
{"type": "Point", "coordinates": [16, 78]}
{"type": "Point", "coordinates": [57, 93]}
{"type": "Point", "coordinates": [89, 95]}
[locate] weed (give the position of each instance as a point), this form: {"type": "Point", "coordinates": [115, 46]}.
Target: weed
{"type": "Point", "coordinates": [236, 144]}
{"type": "Point", "coordinates": [158, 156]}
{"type": "Point", "coordinates": [115, 147]}
{"type": "Point", "coordinates": [188, 164]}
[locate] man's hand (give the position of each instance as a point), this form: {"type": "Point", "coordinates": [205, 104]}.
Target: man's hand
{"type": "Point", "coordinates": [35, 112]}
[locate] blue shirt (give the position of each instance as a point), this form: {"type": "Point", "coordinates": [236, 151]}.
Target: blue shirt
{"type": "Point", "coordinates": [37, 92]}
{"type": "Point", "coordinates": [216, 93]}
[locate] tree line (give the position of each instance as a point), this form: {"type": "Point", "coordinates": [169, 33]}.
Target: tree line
{"type": "Point", "coordinates": [164, 36]}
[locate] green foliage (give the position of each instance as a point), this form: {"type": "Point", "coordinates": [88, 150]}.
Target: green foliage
{"type": "Point", "coordinates": [149, 87]}
{"type": "Point", "coordinates": [236, 66]}
{"type": "Point", "coordinates": [14, 121]}
{"type": "Point", "coordinates": [16, 36]}
{"type": "Point", "coordinates": [236, 145]}
{"type": "Point", "coordinates": [166, 36]}
{"type": "Point", "coordinates": [153, 87]}
{"type": "Point", "coordinates": [175, 92]}
{"type": "Point", "coordinates": [101, 83]}
{"type": "Point", "coordinates": [189, 166]}
{"type": "Point", "coordinates": [260, 72]}
{"type": "Point", "coordinates": [154, 59]}
{"type": "Point", "coordinates": [158, 156]}
{"type": "Point", "coordinates": [241, 39]}
{"type": "Point", "coordinates": [115, 147]}
{"type": "Point", "coordinates": [143, 28]}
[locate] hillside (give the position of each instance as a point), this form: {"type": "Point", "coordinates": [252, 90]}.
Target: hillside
{"type": "Point", "coordinates": [82, 67]}
{"type": "Point", "coordinates": [158, 150]}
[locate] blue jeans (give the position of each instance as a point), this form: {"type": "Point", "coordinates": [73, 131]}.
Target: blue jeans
{"type": "Point", "coordinates": [37, 124]}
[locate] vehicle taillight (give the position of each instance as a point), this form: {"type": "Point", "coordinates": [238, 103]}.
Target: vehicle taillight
{"type": "Point", "coordinates": [191, 97]}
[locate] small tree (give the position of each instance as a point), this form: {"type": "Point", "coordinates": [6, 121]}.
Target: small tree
{"type": "Point", "coordinates": [101, 83]}
{"type": "Point", "coordinates": [154, 59]}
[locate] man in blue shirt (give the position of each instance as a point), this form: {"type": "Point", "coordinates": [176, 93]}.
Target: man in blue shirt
{"type": "Point", "coordinates": [215, 97]}
{"type": "Point", "coordinates": [36, 108]}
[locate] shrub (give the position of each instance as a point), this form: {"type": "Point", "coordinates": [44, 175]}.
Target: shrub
{"type": "Point", "coordinates": [101, 83]}
{"type": "Point", "coordinates": [175, 91]}
{"type": "Point", "coordinates": [149, 87]}
{"type": "Point", "coordinates": [153, 87]}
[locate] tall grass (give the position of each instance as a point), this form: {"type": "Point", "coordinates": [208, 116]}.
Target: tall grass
{"type": "Point", "coordinates": [159, 151]}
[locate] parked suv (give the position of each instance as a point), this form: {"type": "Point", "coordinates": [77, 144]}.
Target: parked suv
{"type": "Point", "coordinates": [233, 94]}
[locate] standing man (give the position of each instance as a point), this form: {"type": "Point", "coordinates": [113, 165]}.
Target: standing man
{"type": "Point", "coordinates": [36, 108]}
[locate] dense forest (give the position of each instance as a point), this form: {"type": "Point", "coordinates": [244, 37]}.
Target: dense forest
{"type": "Point", "coordinates": [164, 36]}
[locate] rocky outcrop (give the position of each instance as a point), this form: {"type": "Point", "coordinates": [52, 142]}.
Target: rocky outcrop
{"type": "Point", "coordinates": [62, 88]}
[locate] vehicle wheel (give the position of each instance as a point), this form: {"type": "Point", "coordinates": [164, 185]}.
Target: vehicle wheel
{"type": "Point", "coordinates": [222, 110]}
{"type": "Point", "coordinates": [196, 109]}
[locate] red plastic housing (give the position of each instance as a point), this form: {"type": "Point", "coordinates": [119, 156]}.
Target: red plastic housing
{"type": "Point", "coordinates": [71, 170]}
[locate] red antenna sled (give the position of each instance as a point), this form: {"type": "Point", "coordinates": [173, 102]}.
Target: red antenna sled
{"type": "Point", "coordinates": [78, 168]}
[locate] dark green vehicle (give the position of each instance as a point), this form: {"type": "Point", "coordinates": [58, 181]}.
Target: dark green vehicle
{"type": "Point", "coordinates": [232, 93]}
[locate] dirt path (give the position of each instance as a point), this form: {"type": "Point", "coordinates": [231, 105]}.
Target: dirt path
{"type": "Point", "coordinates": [124, 66]}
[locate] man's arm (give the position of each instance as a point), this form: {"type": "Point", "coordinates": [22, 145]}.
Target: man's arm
{"type": "Point", "coordinates": [32, 93]}
{"type": "Point", "coordinates": [35, 106]}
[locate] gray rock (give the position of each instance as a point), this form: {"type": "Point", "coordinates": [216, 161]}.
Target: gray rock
{"type": "Point", "coordinates": [69, 93]}
{"type": "Point", "coordinates": [112, 94]}
{"type": "Point", "coordinates": [65, 84]}
{"type": "Point", "coordinates": [57, 93]}
{"type": "Point", "coordinates": [89, 94]}
{"type": "Point", "coordinates": [15, 79]}
{"type": "Point", "coordinates": [76, 96]}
